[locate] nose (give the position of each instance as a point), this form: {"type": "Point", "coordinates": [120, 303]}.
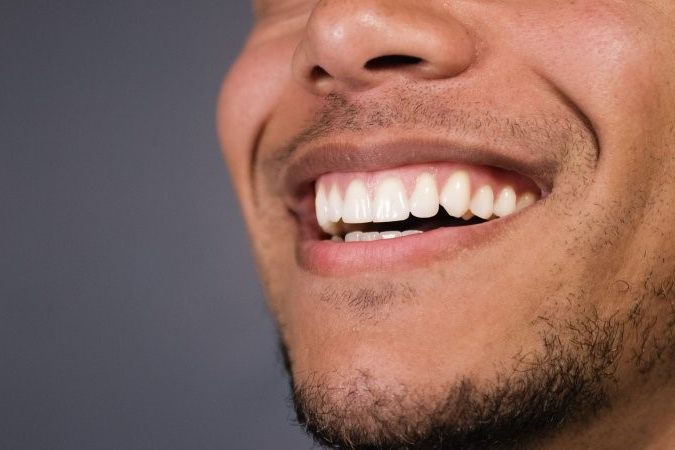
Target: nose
{"type": "Point", "coordinates": [358, 44]}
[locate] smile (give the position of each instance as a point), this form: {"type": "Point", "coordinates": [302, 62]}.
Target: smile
{"type": "Point", "coordinates": [377, 205]}
{"type": "Point", "coordinates": [410, 200]}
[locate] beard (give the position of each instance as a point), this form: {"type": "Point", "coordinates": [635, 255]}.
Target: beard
{"type": "Point", "coordinates": [568, 380]}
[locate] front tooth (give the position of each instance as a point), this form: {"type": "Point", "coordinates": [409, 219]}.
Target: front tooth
{"type": "Point", "coordinates": [391, 203]}
{"type": "Point", "coordinates": [321, 207]}
{"type": "Point", "coordinates": [482, 202]}
{"type": "Point", "coordinates": [334, 204]}
{"type": "Point", "coordinates": [525, 200]}
{"type": "Point", "coordinates": [390, 234]}
{"type": "Point", "coordinates": [356, 207]}
{"type": "Point", "coordinates": [371, 236]}
{"type": "Point", "coordinates": [424, 200]}
{"type": "Point", "coordinates": [506, 202]}
{"type": "Point", "coordinates": [354, 236]}
{"type": "Point", "coordinates": [456, 194]}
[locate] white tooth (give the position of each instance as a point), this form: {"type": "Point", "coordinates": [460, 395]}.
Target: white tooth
{"type": "Point", "coordinates": [424, 200]}
{"type": "Point", "coordinates": [456, 194]}
{"type": "Point", "coordinates": [525, 200]}
{"type": "Point", "coordinates": [334, 204]}
{"type": "Point", "coordinates": [391, 202]}
{"type": "Point", "coordinates": [372, 236]}
{"type": "Point", "coordinates": [356, 207]}
{"type": "Point", "coordinates": [336, 239]}
{"type": "Point", "coordinates": [390, 234]}
{"type": "Point", "coordinates": [411, 232]}
{"type": "Point", "coordinates": [354, 236]}
{"type": "Point", "coordinates": [321, 207]}
{"type": "Point", "coordinates": [506, 202]}
{"type": "Point", "coordinates": [482, 202]}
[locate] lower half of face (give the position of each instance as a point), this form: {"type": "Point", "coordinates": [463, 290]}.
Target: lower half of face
{"type": "Point", "coordinates": [432, 335]}
{"type": "Point", "coordinates": [449, 297]}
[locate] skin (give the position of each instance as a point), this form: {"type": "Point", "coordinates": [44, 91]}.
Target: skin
{"type": "Point", "coordinates": [590, 83]}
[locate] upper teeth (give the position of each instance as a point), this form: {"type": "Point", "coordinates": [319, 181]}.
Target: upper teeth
{"type": "Point", "coordinates": [391, 202]}
{"type": "Point", "coordinates": [424, 199]}
{"type": "Point", "coordinates": [387, 200]}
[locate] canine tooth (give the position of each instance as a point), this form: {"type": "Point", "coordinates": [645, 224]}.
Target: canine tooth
{"type": "Point", "coordinates": [372, 236]}
{"type": "Point", "coordinates": [390, 234]}
{"type": "Point", "coordinates": [525, 200]}
{"type": "Point", "coordinates": [411, 232]}
{"type": "Point", "coordinates": [391, 202]}
{"type": "Point", "coordinates": [356, 207]}
{"type": "Point", "coordinates": [482, 202]}
{"type": "Point", "coordinates": [334, 204]}
{"type": "Point", "coordinates": [424, 199]}
{"type": "Point", "coordinates": [506, 202]}
{"type": "Point", "coordinates": [456, 193]}
{"type": "Point", "coordinates": [354, 236]}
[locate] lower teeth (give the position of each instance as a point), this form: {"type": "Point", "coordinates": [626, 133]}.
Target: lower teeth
{"type": "Point", "coordinates": [359, 236]}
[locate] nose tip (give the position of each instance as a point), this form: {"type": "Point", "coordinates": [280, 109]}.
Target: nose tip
{"type": "Point", "coordinates": [358, 44]}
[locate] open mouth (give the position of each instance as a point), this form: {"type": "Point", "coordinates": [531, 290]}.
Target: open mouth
{"type": "Point", "coordinates": [411, 200]}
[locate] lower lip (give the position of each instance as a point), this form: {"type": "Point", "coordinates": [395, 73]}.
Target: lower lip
{"type": "Point", "coordinates": [328, 258]}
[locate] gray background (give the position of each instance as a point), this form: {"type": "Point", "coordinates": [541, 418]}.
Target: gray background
{"type": "Point", "coordinates": [130, 315]}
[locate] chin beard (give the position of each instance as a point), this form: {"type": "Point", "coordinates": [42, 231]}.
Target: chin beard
{"type": "Point", "coordinates": [566, 381]}
{"type": "Point", "coordinates": [539, 395]}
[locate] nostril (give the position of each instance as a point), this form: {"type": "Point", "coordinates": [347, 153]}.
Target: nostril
{"type": "Point", "coordinates": [391, 62]}
{"type": "Point", "coordinates": [318, 73]}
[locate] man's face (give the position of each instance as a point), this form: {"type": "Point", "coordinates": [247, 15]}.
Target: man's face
{"type": "Point", "coordinates": [550, 122]}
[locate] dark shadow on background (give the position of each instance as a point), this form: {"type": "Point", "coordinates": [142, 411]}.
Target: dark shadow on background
{"type": "Point", "coordinates": [130, 315]}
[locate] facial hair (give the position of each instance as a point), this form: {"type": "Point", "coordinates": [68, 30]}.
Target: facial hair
{"type": "Point", "coordinates": [568, 381]}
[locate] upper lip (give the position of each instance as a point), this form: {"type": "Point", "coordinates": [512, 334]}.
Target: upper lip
{"type": "Point", "coordinates": [314, 159]}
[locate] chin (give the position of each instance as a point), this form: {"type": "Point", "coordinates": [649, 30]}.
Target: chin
{"type": "Point", "coordinates": [381, 389]}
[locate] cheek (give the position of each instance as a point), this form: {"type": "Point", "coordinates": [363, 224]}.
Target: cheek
{"type": "Point", "coordinates": [251, 89]}
{"type": "Point", "coordinates": [600, 54]}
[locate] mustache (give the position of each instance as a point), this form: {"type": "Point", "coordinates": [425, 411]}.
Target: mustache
{"type": "Point", "coordinates": [433, 111]}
